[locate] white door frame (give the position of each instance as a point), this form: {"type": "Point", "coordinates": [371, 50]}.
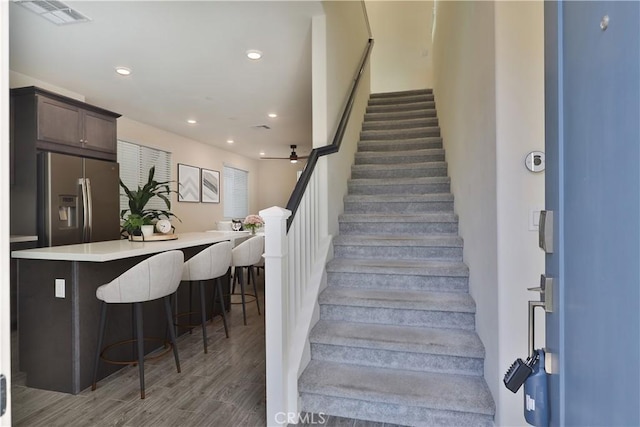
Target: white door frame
{"type": "Point", "coordinates": [5, 321]}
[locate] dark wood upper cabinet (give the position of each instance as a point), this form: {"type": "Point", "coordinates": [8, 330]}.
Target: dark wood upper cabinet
{"type": "Point", "coordinates": [66, 125]}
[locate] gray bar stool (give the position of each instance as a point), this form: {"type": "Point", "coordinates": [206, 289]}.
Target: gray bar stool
{"type": "Point", "coordinates": [155, 277]}
{"type": "Point", "coordinates": [245, 256]}
{"type": "Point", "coordinates": [211, 263]}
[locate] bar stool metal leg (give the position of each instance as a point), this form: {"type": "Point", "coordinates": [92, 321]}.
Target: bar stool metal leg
{"type": "Point", "coordinates": [255, 289]}
{"type": "Point", "coordinates": [240, 274]}
{"type": "Point", "coordinates": [218, 290]}
{"type": "Point", "coordinates": [103, 322]}
{"type": "Point", "coordinates": [203, 315]}
{"type": "Point", "coordinates": [140, 342]}
{"type": "Point", "coordinates": [172, 334]}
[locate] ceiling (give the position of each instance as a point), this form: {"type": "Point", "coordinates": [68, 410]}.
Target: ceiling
{"type": "Point", "coordinates": [188, 61]}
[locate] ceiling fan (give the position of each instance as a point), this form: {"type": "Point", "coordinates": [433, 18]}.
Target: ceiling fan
{"type": "Point", "coordinates": [293, 157]}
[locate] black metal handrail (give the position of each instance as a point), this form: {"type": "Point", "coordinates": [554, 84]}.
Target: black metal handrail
{"type": "Point", "coordinates": [334, 147]}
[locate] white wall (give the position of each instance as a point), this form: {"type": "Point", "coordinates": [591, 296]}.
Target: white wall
{"type": "Point", "coordinates": [488, 81]}
{"type": "Point", "coordinates": [346, 39]}
{"type": "Point", "coordinates": [401, 58]}
{"type": "Point", "coordinates": [277, 180]}
{"type": "Point", "coordinates": [5, 322]}
{"type": "Point", "coordinates": [519, 40]}
{"type": "Point", "coordinates": [464, 87]}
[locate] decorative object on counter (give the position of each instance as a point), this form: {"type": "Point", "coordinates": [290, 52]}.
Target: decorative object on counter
{"type": "Point", "coordinates": [253, 222]}
{"type": "Point", "coordinates": [147, 230]}
{"type": "Point", "coordinates": [210, 186]}
{"type": "Point", "coordinates": [188, 183]}
{"type": "Point", "coordinates": [236, 224]}
{"type": "Point", "coordinates": [164, 226]}
{"type": "Point", "coordinates": [155, 237]}
{"type": "Point", "coordinates": [138, 214]}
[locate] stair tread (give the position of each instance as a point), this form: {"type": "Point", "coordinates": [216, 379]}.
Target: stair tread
{"type": "Point", "coordinates": [444, 240]}
{"type": "Point", "coordinates": [451, 342]}
{"type": "Point", "coordinates": [393, 94]}
{"type": "Point", "coordinates": [404, 141]}
{"type": "Point", "coordinates": [400, 153]}
{"type": "Point", "coordinates": [396, 198]}
{"type": "Point", "coordinates": [414, 129]}
{"type": "Point", "coordinates": [431, 267]}
{"type": "Point", "coordinates": [394, 181]}
{"type": "Point", "coordinates": [382, 217]}
{"type": "Point", "coordinates": [447, 392]}
{"type": "Point", "coordinates": [415, 165]}
{"type": "Point", "coordinates": [398, 299]}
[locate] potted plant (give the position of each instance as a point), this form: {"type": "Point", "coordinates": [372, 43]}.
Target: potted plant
{"type": "Point", "coordinates": [138, 214]}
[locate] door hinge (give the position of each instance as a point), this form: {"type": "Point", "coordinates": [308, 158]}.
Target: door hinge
{"type": "Point", "coordinates": [3, 395]}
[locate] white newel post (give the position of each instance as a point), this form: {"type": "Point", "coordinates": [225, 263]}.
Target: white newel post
{"type": "Point", "coordinates": [276, 308]}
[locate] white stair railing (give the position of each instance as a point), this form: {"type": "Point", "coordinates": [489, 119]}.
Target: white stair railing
{"type": "Point", "coordinates": [294, 269]}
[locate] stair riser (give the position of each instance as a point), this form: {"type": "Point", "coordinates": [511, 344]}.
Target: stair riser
{"type": "Point", "coordinates": [420, 132]}
{"type": "Point", "coordinates": [398, 252]}
{"type": "Point", "coordinates": [400, 107]}
{"type": "Point", "coordinates": [401, 99]}
{"type": "Point", "coordinates": [401, 115]}
{"type": "Point", "coordinates": [397, 207]}
{"type": "Point", "coordinates": [398, 281]}
{"type": "Point", "coordinates": [399, 124]}
{"type": "Point", "coordinates": [371, 189]}
{"type": "Point", "coordinates": [391, 413]}
{"type": "Point", "coordinates": [378, 228]}
{"type": "Point", "coordinates": [392, 159]}
{"type": "Point", "coordinates": [396, 316]}
{"type": "Point", "coordinates": [367, 147]}
{"type": "Point", "coordinates": [411, 361]}
{"type": "Point", "coordinates": [373, 172]}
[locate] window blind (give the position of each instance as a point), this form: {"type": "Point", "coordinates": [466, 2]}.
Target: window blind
{"type": "Point", "coordinates": [236, 192]}
{"type": "Point", "coordinates": [135, 161]}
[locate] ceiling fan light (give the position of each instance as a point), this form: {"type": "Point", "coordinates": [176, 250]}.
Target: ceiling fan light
{"type": "Point", "coordinates": [293, 160]}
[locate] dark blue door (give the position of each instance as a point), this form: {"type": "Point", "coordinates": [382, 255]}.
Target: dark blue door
{"type": "Point", "coordinates": [592, 55]}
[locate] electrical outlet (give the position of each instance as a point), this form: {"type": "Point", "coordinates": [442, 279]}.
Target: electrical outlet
{"type": "Point", "coordinates": [60, 288]}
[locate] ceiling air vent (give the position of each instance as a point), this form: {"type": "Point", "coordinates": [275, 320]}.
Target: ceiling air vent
{"type": "Point", "coordinates": [53, 11]}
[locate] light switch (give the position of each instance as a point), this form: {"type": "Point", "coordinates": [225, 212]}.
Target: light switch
{"type": "Point", "coordinates": [534, 220]}
{"type": "Point", "coordinates": [60, 288]}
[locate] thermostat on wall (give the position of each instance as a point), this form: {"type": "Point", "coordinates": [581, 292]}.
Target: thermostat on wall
{"type": "Point", "coordinates": [535, 161]}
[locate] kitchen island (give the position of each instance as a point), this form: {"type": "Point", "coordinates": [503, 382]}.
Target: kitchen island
{"type": "Point", "coordinates": [58, 312]}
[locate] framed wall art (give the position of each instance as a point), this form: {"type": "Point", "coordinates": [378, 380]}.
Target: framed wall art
{"type": "Point", "coordinates": [188, 183]}
{"type": "Point", "coordinates": [210, 186]}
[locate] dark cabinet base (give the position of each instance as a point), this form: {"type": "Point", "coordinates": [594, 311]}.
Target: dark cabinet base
{"type": "Point", "coordinates": [58, 336]}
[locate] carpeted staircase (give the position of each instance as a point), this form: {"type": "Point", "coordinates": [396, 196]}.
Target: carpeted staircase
{"type": "Point", "coordinates": [396, 339]}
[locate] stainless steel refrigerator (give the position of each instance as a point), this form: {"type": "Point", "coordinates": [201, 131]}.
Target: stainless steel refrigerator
{"type": "Point", "coordinates": [78, 200]}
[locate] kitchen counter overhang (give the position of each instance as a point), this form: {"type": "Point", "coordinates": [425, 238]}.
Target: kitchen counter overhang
{"type": "Point", "coordinates": [120, 249]}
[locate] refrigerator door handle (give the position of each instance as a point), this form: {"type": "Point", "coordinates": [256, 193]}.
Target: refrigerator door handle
{"type": "Point", "coordinates": [89, 209]}
{"type": "Point", "coordinates": [85, 209]}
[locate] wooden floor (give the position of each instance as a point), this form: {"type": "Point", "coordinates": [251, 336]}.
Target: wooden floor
{"type": "Point", "coordinates": [225, 387]}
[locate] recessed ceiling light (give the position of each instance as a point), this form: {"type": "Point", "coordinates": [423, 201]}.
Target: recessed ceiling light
{"type": "Point", "coordinates": [273, 115]}
{"type": "Point", "coordinates": [229, 141]}
{"type": "Point", "coordinates": [192, 121]}
{"type": "Point", "coordinates": [123, 71]}
{"type": "Point", "coordinates": [262, 153]}
{"type": "Point", "coordinates": [254, 54]}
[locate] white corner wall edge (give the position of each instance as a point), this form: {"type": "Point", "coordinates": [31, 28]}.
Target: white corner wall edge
{"type": "Point", "coordinates": [5, 321]}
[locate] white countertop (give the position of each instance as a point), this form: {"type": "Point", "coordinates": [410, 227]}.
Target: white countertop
{"type": "Point", "coordinates": [119, 249]}
{"type": "Point", "coordinates": [22, 239]}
